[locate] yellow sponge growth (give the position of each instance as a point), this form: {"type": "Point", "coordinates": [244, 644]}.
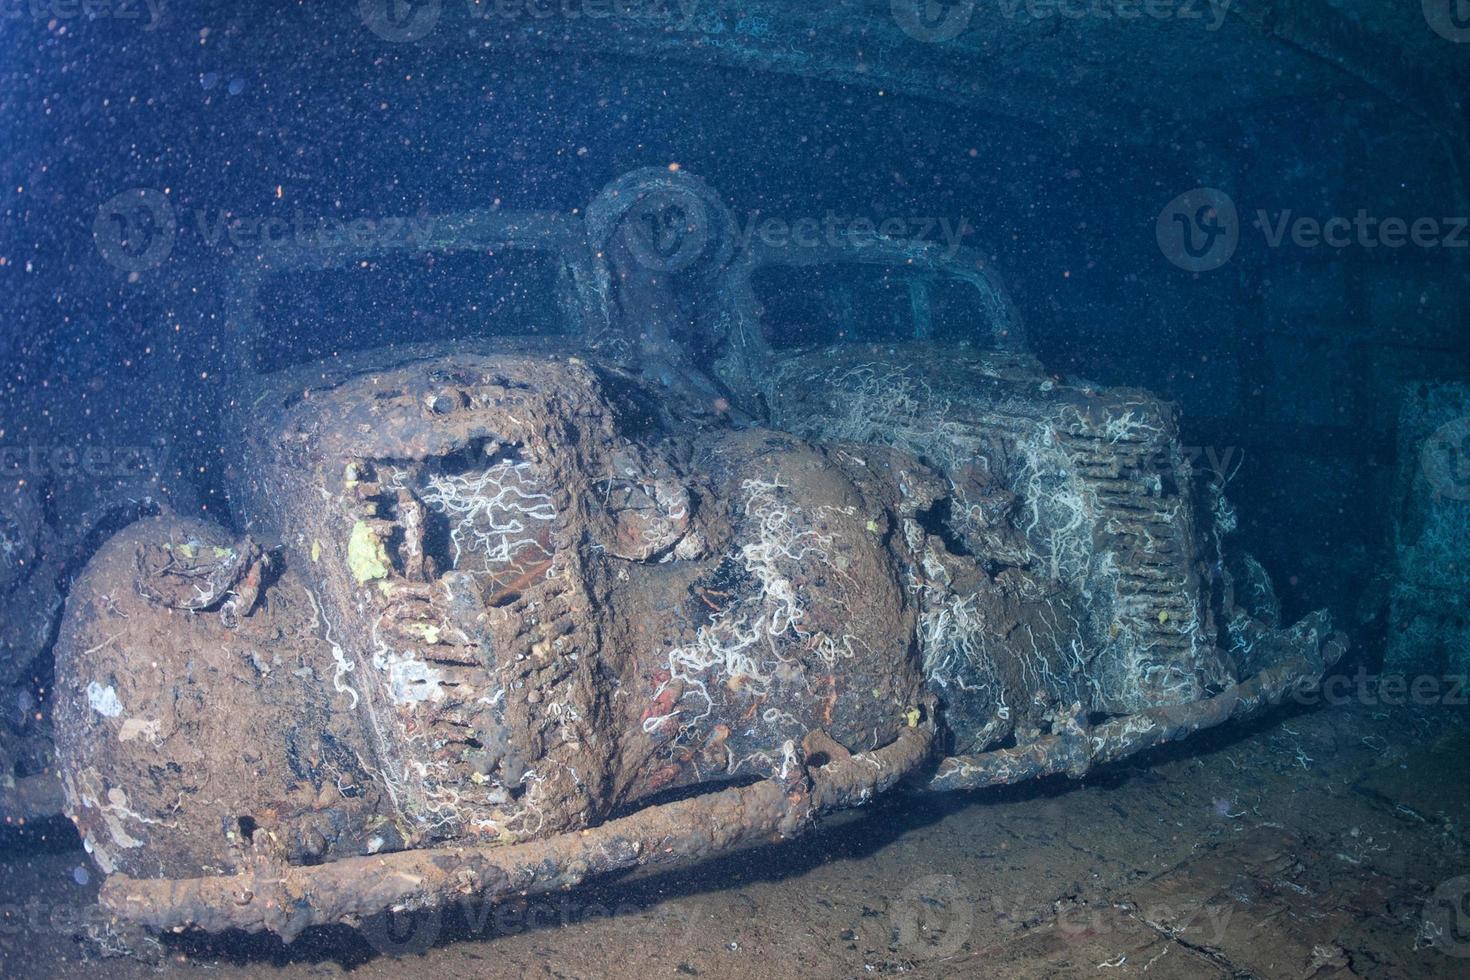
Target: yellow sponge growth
{"type": "Point", "coordinates": [366, 557]}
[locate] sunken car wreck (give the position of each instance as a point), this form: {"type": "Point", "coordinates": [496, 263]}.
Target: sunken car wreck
{"type": "Point", "coordinates": [488, 604]}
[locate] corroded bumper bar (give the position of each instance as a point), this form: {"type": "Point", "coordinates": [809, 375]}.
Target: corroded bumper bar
{"type": "Point", "coordinates": [286, 900]}
{"type": "Point", "coordinates": [1082, 749]}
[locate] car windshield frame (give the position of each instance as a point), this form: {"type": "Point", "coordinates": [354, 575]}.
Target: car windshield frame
{"type": "Point", "coordinates": [490, 231]}
{"type": "Point", "coordinates": [925, 263]}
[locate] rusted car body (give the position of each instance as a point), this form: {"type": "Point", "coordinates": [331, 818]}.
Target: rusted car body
{"type": "Point", "coordinates": [59, 505]}
{"type": "Point", "coordinates": [496, 610]}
